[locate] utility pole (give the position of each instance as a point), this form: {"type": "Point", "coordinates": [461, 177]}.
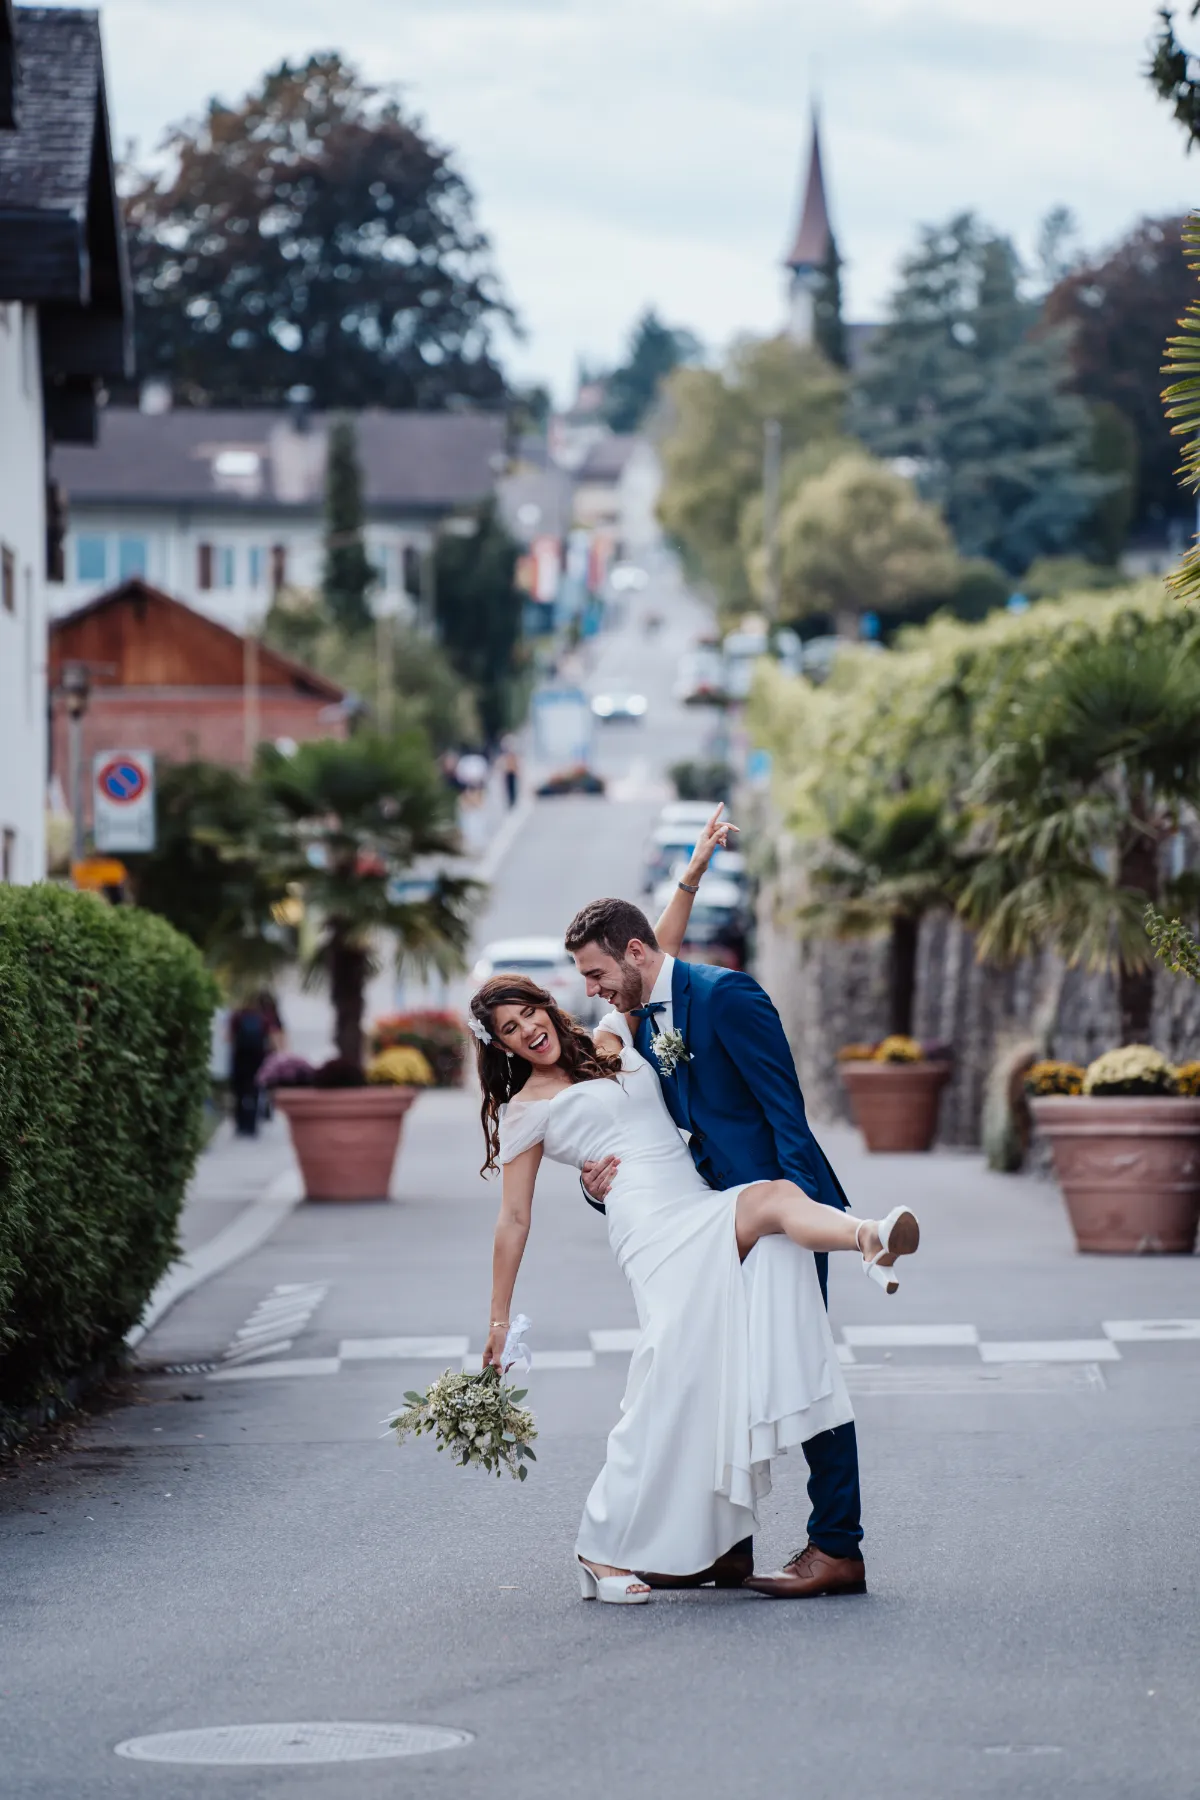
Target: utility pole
{"type": "Point", "coordinates": [250, 710]}
{"type": "Point", "coordinates": [772, 445]}
{"type": "Point", "coordinates": [76, 682]}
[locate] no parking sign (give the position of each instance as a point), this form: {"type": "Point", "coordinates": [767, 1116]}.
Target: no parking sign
{"type": "Point", "coordinates": [123, 800]}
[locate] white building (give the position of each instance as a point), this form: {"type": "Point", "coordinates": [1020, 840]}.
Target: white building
{"type": "Point", "coordinates": [224, 508]}
{"type": "Point", "coordinates": [64, 313]}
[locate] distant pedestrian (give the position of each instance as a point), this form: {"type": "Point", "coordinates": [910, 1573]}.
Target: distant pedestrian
{"type": "Point", "coordinates": [472, 772]}
{"type": "Point", "coordinates": [510, 768]}
{"type": "Point", "coordinates": [249, 1042]}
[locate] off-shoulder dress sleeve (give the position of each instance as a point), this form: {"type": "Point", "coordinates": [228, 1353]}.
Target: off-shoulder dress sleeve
{"type": "Point", "coordinates": [522, 1125]}
{"type": "Point", "coordinates": [615, 1023]}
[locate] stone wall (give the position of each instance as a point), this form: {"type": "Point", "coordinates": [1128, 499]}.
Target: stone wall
{"type": "Point", "coordinates": [831, 993]}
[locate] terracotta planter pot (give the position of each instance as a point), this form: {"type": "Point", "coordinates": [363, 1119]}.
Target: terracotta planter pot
{"type": "Point", "coordinates": [345, 1138]}
{"type": "Point", "coordinates": [895, 1105]}
{"type": "Point", "coordinates": [1129, 1169]}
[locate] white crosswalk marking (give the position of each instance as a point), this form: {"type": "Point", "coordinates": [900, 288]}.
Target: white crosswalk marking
{"type": "Point", "coordinates": [1052, 1350]}
{"type": "Point", "coordinates": [905, 1337]}
{"type": "Point", "coordinates": [603, 1342]}
{"type": "Point", "coordinates": [275, 1323]}
{"type": "Point", "coordinates": [1152, 1331]}
{"type": "Point", "coordinates": [403, 1349]}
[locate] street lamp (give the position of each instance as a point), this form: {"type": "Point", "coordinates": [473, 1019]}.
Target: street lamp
{"type": "Point", "coordinates": [76, 685]}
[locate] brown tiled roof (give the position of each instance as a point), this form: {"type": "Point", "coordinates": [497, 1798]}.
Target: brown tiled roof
{"type": "Point", "coordinates": [423, 461]}
{"type": "Point", "coordinates": [814, 234]}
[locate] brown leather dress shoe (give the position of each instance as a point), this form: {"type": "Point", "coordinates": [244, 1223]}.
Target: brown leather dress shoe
{"type": "Point", "coordinates": [811, 1574]}
{"type": "Point", "coordinates": [729, 1571]}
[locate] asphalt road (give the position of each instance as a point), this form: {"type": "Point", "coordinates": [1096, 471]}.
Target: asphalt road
{"type": "Point", "coordinates": [231, 1551]}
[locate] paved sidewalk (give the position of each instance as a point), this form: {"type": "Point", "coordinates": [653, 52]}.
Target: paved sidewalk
{"type": "Point", "coordinates": [232, 1173]}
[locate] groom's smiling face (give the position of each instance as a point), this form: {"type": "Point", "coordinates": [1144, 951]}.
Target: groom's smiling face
{"type": "Point", "coordinates": [619, 980]}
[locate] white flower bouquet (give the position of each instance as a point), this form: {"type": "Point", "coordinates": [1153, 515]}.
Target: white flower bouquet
{"type": "Point", "coordinates": [670, 1050]}
{"type": "Point", "coordinates": [478, 1418]}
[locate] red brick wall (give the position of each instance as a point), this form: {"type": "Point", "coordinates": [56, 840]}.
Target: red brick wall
{"type": "Point", "coordinates": [180, 724]}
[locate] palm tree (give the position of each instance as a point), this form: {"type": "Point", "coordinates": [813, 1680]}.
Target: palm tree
{"type": "Point", "coordinates": [888, 861]}
{"type": "Point", "coordinates": [362, 828]}
{"type": "Point", "coordinates": [1100, 765]}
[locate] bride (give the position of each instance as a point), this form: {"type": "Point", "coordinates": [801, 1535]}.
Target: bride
{"type": "Point", "coordinates": [735, 1361]}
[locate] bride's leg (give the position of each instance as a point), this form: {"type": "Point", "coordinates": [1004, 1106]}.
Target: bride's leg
{"type": "Point", "coordinates": [771, 1208]}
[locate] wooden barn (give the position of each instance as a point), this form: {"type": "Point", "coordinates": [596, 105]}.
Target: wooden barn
{"type": "Point", "coordinates": [165, 678]}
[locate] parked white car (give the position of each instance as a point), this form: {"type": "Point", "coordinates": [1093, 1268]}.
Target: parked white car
{"type": "Point", "coordinates": [545, 961]}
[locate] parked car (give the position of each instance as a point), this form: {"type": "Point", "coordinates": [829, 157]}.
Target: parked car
{"type": "Point", "coordinates": [667, 845]}
{"type": "Point", "coordinates": [545, 961]}
{"type": "Point", "coordinates": [719, 922]}
{"type": "Point", "coordinates": [701, 677]}
{"type": "Point", "coordinates": [612, 708]}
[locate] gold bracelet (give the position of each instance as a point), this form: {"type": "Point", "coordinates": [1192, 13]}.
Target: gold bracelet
{"type": "Point", "coordinates": [501, 1324]}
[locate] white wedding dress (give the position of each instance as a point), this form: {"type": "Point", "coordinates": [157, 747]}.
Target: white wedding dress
{"type": "Point", "coordinates": [735, 1361]}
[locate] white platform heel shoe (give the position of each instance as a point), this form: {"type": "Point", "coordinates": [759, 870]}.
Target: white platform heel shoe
{"type": "Point", "coordinates": [899, 1235]}
{"type": "Point", "coordinates": [615, 1590]}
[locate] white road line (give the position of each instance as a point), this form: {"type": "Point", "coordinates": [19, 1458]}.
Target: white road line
{"type": "Point", "coordinates": [1054, 1350]}
{"type": "Point", "coordinates": [300, 1365]}
{"type": "Point", "coordinates": [255, 1352]}
{"type": "Point", "coordinates": [563, 1359]}
{"type": "Point", "coordinates": [903, 1337]}
{"type": "Point", "coordinates": [1152, 1331]}
{"type": "Point", "coordinates": [276, 1322]}
{"type": "Point", "coordinates": [893, 1380]}
{"type": "Point", "coordinates": [845, 1354]}
{"type": "Point", "coordinates": [401, 1349]}
{"type": "Point", "coordinates": [605, 1341]}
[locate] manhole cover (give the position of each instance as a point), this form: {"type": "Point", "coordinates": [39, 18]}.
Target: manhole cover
{"type": "Point", "coordinates": [341, 1741]}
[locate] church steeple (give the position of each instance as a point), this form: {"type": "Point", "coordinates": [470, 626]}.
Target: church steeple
{"type": "Point", "coordinates": [813, 248]}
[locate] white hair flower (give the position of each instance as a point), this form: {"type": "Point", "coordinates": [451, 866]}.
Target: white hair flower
{"type": "Point", "coordinates": [479, 1029]}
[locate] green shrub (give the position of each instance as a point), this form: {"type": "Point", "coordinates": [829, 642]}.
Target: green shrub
{"type": "Point", "coordinates": [105, 1022]}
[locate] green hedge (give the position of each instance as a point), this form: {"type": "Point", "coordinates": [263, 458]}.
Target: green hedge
{"type": "Point", "coordinates": [105, 1021]}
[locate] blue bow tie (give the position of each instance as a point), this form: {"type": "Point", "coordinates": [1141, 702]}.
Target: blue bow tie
{"type": "Point", "coordinates": [648, 1012]}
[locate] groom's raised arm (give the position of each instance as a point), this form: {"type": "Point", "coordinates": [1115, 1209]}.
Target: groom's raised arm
{"type": "Point", "coordinates": [752, 1032]}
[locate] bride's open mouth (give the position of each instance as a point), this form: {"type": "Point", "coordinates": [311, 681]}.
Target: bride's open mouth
{"type": "Point", "coordinates": [540, 1042]}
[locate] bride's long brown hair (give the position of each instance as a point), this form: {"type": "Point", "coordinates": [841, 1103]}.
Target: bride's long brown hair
{"type": "Point", "coordinates": [502, 1076]}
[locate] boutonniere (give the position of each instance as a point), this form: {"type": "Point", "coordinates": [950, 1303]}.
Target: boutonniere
{"type": "Point", "coordinates": [670, 1050]}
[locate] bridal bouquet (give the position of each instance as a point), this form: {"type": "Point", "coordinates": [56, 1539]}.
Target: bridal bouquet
{"type": "Point", "coordinates": [477, 1417]}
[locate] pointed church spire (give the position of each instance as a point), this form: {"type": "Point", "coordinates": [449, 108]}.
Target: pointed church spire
{"type": "Point", "coordinates": [813, 254]}
{"type": "Point", "coordinates": [813, 234]}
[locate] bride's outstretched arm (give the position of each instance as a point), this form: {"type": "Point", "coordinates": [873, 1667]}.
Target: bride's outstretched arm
{"type": "Point", "coordinates": [671, 928]}
{"type": "Point", "coordinates": [512, 1230]}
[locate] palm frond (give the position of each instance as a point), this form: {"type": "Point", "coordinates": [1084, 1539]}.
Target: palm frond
{"type": "Point", "coordinates": [1182, 399]}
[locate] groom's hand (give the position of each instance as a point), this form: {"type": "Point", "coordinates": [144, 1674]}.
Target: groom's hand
{"type": "Point", "coordinates": [598, 1177]}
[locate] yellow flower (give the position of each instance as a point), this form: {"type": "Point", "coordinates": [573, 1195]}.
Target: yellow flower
{"type": "Point", "coordinates": [1134, 1069]}
{"type": "Point", "coordinates": [898, 1050]}
{"type": "Point", "coordinates": [401, 1066]}
{"type": "Point", "coordinates": [856, 1053]}
{"type": "Point", "coordinates": [1054, 1078]}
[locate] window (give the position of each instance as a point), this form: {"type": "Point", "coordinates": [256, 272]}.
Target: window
{"type": "Point", "coordinates": [225, 566]}
{"type": "Point", "coordinates": [8, 855]}
{"type": "Point", "coordinates": [204, 567]}
{"type": "Point", "coordinates": [387, 564]}
{"type": "Point", "coordinates": [278, 567]}
{"type": "Point", "coordinates": [257, 559]}
{"type": "Point", "coordinates": [8, 579]}
{"type": "Point", "coordinates": [131, 557]}
{"type": "Point", "coordinates": [91, 558]}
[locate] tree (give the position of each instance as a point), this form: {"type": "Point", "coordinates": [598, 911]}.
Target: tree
{"type": "Point", "coordinates": [712, 449]}
{"type": "Point", "coordinates": [829, 331]}
{"type": "Point", "coordinates": [1099, 761]}
{"type": "Point", "coordinates": [209, 874]}
{"type": "Point", "coordinates": [961, 384]}
{"type": "Point", "coordinates": [889, 860]}
{"type": "Point", "coordinates": [1173, 73]}
{"type": "Point", "coordinates": [479, 612]}
{"type": "Point", "coordinates": [313, 235]}
{"type": "Point", "coordinates": [654, 350]}
{"type": "Point", "coordinates": [349, 819]}
{"type": "Point", "coordinates": [1120, 310]}
{"type": "Point", "coordinates": [349, 574]}
{"type": "Point", "coordinates": [856, 539]}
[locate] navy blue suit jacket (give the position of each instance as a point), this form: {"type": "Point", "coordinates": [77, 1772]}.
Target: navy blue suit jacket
{"type": "Point", "coordinates": [738, 1094]}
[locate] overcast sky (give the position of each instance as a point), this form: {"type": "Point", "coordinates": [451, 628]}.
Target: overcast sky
{"type": "Point", "coordinates": [629, 152]}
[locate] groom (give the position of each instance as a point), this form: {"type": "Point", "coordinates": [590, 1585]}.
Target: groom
{"type": "Point", "coordinates": [738, 1097]}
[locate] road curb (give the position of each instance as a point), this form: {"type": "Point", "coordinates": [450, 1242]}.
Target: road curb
{"type": "Point", "coordinates": [250, 1229]}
